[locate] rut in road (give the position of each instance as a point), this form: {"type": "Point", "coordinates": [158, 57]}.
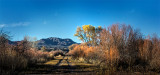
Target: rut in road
{"type": "Point", "coordinates": [65, 62]}
{"type": "Point", "coordinates": [61, 65]}
{"type": "Point", "coordinates": [60, 61]}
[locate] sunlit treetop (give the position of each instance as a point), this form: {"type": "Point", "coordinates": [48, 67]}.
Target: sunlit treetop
{"type": "Point", "coordinates": [88, 33]}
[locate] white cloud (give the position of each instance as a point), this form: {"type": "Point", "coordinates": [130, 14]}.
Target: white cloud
{"type": "Point", "coordinates": [20, 24]}
{"type": "Point", "coordinates": [2, 25]}
{"type": "Point", "coordinates": [15, 24]}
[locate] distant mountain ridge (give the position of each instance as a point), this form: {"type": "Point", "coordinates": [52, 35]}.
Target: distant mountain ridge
{"type": "Point", "coordinates": [52, 43]}
{"type": "Point", "coordinates": [55, 42]}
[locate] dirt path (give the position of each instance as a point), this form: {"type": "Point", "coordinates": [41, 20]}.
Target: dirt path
{"type": "Point", "coordinates": [60, 61]}
{"type": "Point", "coordinates": [64, 65]}
{"type": "Point", "coordinates": [61, 65]}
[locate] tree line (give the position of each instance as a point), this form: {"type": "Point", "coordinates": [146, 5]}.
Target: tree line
{"type": "Point", "coordinates": [118, 47]}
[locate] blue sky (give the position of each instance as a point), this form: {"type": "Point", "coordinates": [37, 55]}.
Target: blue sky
{"type": "Point", "coordinates": [60, 18]}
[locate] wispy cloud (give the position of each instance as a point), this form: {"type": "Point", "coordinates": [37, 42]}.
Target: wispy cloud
{"type": "Point", "coordinates": [2, 25]}
{"type": "Point", "coordinates": [15, 24]}
{"type": "Point", "coordinates": [20, 24]}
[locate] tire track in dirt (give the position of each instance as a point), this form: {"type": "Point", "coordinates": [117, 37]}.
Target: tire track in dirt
{"type": "Point", "coordinates": [65, 62]}
{"type": "Point", "coordinates": [60, 61]}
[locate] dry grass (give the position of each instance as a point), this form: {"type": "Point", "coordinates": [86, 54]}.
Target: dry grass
{"type": "Point", "coordinates": [52, 62]}
{"type": "Point", "coordinates": [11, 61]}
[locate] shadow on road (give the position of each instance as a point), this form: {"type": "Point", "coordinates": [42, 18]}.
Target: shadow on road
{"type": "Point", "coordinates": [60, 61]}
{"type": "Point", "coordinates": [59, 69]}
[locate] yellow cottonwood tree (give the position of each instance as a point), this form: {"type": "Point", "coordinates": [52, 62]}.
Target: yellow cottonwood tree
{"type": "Point", "coordinates": [88, 33]}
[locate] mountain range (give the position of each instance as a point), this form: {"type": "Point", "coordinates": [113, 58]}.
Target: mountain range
{"type": "Point", "coordinates": [52, 43]}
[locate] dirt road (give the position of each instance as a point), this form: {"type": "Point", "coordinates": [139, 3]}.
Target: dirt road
{"type": "Point", "coordinates": [61, 65]}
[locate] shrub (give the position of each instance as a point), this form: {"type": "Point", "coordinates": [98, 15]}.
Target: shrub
{"type": "Point", "coordinates": [155, 54]}
{"type": "Point", "coordinates": [72, 46]}
{"type": "Point", "coordinates": [77, 52]}
{"type": "Point", "coordinates": [120, 47]}
{"type": "Point", "coordinates": [88, 53]}
{"type": "Point", "coordinates": [58, 52]}
{"type": "Point", "coordinates": [14, 58]}
{"type": "Point", "coordinates": [93, 55]}
{"type": "Point", "coordinates": [11, 61]}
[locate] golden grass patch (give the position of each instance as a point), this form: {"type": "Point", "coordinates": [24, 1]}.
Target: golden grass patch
{"type": "Point", "coordinates": [52, 62]}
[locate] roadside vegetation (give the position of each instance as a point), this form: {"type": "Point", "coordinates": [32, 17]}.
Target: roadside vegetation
{"type": "Point", "coordinates": [117, 48]}
{"type": "Point", "coordinates": [17, 58]}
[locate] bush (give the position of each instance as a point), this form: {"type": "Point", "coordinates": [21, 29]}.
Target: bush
{"type": "Point", "coordinates": [11, 61]}
{"type": "Point", "coordinates": [155, 54]}
{"type": "Point", "coordinates": [77, 51]}
{"type": "Point", "coordinates": [15, 58]}
{"type": "Point", "coordinates": [58, 52]}
{"type": "Point", "coordinates": [120, 47]}
{"type": "Point", "coordinates": [85, 52]}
